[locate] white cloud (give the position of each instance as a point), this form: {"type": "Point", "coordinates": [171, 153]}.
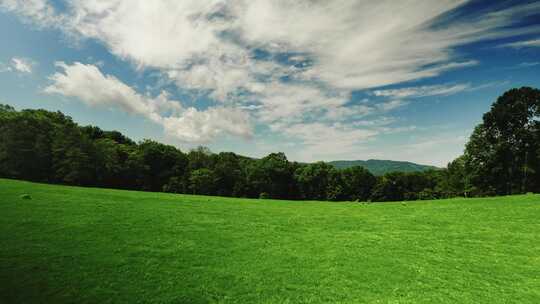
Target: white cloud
{"type": "Point", "coordinates": [323, 141]}
{"type": "Point", "coordinates": [335, 47]}
{"type": "Point", "coordinates": [392, 130]}
{"type": "Point", "coordinates": [391, 105]}
{"type": "Point", "coordinates": [162, 34]}
{"type": "Point", "coordinates": [359, 111]}
{"type": "Point", "coordinates": [18, 64]}
{"type": "Point", "coordinates": [382, 121]}
{"type": "Point", "coordinates": [202, 126]}
{"type": "Point", "coordinates": [423, 150]}
{"type": "Point", "coordinates": [523, 44]}
{"type": "Point", "coordinates": [87, 83]}
{"type": "Point", "coordinates": [293, 102]}
{"type": "Point", "coordinates": [22, 65]}
{"type": "Point", "coordinates": [351, 44]}
{"type": "Point", "coordinates": [423, 91]}
{"type": "Point", "coordinates": [38, 11]}
{"type": "Point", "coordinates": [428, 150]}
{"type": "Point", "coordinates": [344, 112]}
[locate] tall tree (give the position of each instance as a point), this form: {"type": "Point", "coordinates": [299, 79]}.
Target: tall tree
{"type": "Point", "coordinates": [228, 173]}
{"type": "Point", "coordinates": [357, 183]}
{"type": "Point", "coordinates": [502, 153]}
{"type": "Point", "coordinates": [161, 162]}
{"type": "Point", "coordinates": [272, 175]}
{"type": "Point", "coordinates": [203, 181]}
{"type": "Point", "coordinates": [317, 181]}
{"type": "Point", "coordinates": [25, 142]}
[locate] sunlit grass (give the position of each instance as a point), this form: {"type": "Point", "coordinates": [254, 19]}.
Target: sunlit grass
{"type": "Point", "coordinates": [83, 245]}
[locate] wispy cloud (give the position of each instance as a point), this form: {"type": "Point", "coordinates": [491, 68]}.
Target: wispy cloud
{"type": "Point", "coordinates": [528, 64]}
{"type": "Point", "coordinates": [18, 64]}
{"type": "Point", "coordinates": [396, 48]}
{"type": "Point", "coordinates": [523, 44]}
{"type": "Point", "coordinates": [40, 12]}
{"type": "Point", "coordinates": [423, 91]}
{"type": "Point", "coordinates": [438, 90]}
{"type": "Point", "coordinates": [391, 105]}
{"type": "Point", "coordinates": [320, 140]}
{"type": "Point", "coordinates": [22, 65]}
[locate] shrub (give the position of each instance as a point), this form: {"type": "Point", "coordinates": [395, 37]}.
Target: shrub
{"type": "Point", "coordinates": [427, 194]}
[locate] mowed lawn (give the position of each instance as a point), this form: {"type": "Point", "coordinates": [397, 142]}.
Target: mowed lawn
{"type": "Point", "coordinates": [85, 245]}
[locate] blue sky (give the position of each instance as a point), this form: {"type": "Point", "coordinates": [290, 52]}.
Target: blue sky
{"type": "Point", "coordinates": [332, 80]}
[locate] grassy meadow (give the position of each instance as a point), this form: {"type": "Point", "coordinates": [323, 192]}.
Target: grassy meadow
{"type": "Point", "coordinates": [86, 245]}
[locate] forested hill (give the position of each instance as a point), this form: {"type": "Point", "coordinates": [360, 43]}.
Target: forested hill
{"type": "Point", "coordinates": [502, 157]}
{"type": "Point", "coordinates": [380, 167]}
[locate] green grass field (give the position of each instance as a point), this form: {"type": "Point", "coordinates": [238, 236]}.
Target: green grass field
{"type": "Point", "coordinates": [84, 245]}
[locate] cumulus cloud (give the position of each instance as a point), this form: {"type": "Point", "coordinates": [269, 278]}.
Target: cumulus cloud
{"type": "Point", "coordinates": [201, 126]}
{"type": "Point", "coordinates": [87, 83]}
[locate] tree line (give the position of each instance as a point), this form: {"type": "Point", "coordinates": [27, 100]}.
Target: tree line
{"type": "Point", "coordinates": [502, 157]}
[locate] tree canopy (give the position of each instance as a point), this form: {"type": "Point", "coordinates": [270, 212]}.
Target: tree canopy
{"type": "Point", "coordinates": [501, 157]}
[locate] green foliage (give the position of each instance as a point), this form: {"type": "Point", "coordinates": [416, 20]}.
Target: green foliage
{"type": "Point", "coordinates": [202, 181]}
{"type": "Point", "coordinates": [357, 183]}
{"type": "Point", "coordinates": [201, 157]}
{"type": "Point", "coordinates": [4, 109]}
{"type": "Point", "coordinates": [160, 163]}
{"type": "Point", "coordinates": [26, 140]}
{"type": "Point", "coordinates": [399, 186]}
{"type": "Point", "coordinates": [175, 185]}
{"type": "Point", "coordinates": [454, 181]}
{"type": "Point", "coordinates": [45, 146]}
{"type": "Point", "coordinates": [229, 174]}
{"type": "Point", "coordinates": [317, 181]}
{"type": "Point", "coordinates": [501, 157]}
{"type": "Point", "coordinates": [272, 174]}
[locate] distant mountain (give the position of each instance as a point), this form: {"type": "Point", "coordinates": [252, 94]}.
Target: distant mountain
{"type": "Point", "coordinates": [380, 167]}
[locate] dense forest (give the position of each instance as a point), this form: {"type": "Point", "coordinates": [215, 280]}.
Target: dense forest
{"type": "Point", "coordinates": [502, 157]}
